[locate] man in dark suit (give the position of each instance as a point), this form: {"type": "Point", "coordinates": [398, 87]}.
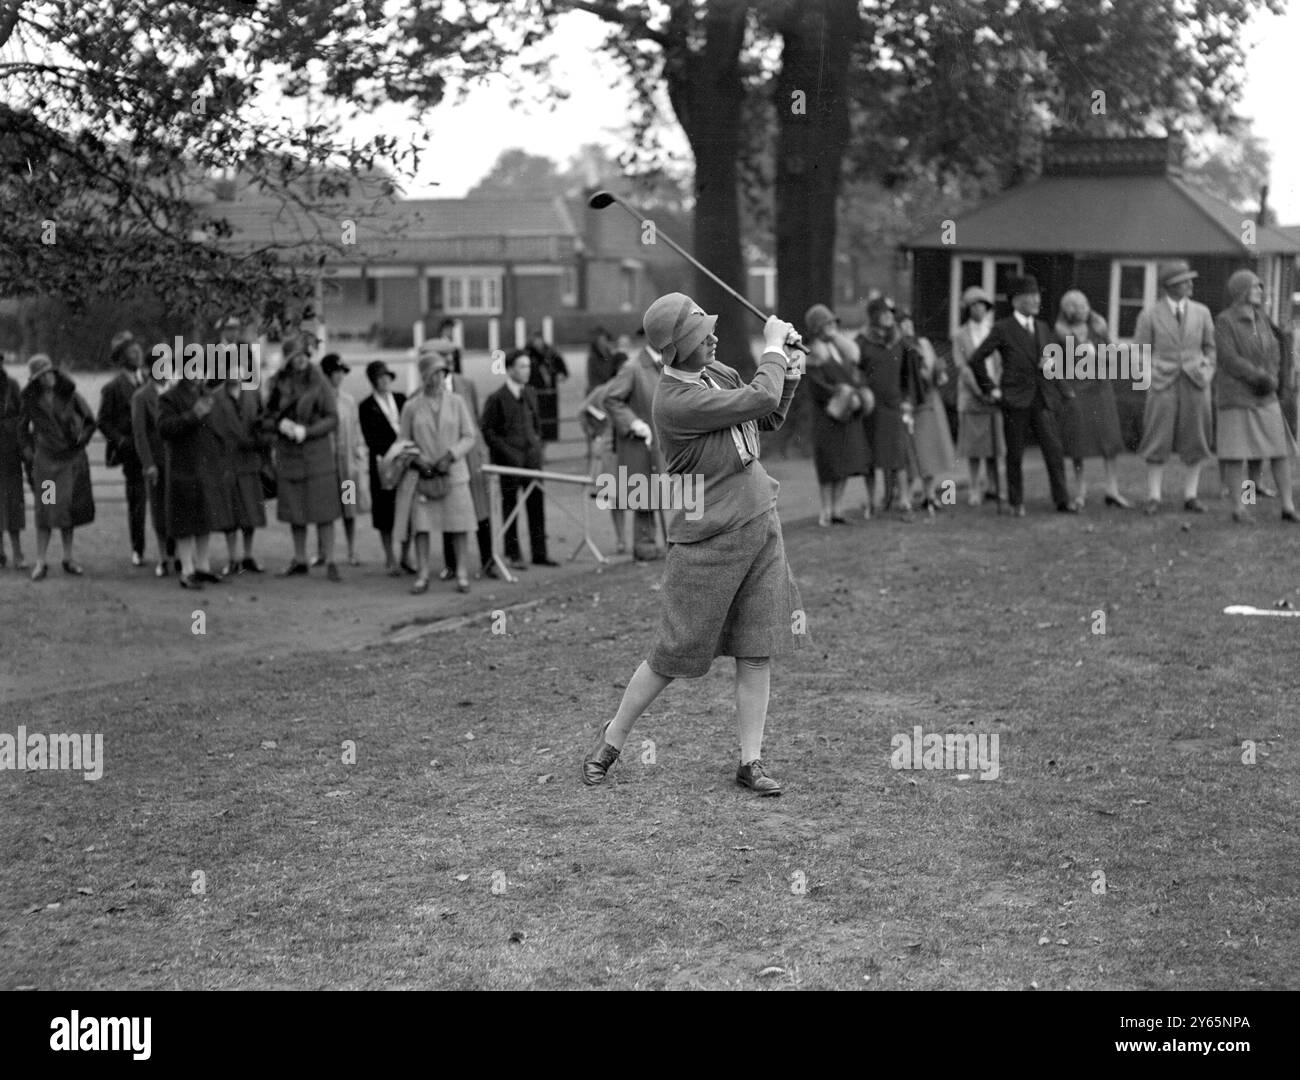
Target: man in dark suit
{"type": "Point", "coordinates": [546, 371]}
{"type": "Point", "coordinates": [115, 422]}
{"type": "Point", "coordinates": [512, 428]}
{"type": "Point", "coordinates": [1029, 399]}
{"type": "Point", "coordinates": [151, 451]}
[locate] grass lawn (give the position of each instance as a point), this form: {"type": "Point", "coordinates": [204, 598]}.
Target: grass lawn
{"type": "Point", "coordinates": [462, 851]}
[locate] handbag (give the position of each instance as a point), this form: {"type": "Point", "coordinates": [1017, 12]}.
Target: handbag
{"type": "Point", "coordinates": [432, 484]}
{"type": "Point", "coordinates": [843, 403]}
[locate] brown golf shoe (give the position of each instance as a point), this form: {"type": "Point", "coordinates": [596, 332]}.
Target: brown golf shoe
{"type": "Point", "coordinates": [754, 776]}
{"type": "Point", "coordinates": [600, 759]}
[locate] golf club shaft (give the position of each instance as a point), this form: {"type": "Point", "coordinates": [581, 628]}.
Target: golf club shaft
{"type": "Point", "coordinates": [696, 263]}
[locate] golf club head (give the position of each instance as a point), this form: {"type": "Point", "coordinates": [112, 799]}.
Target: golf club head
{"type": "Point", "coordinates": [601, 199]}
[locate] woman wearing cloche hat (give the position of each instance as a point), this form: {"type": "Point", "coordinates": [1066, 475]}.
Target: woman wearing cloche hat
{"type": "Point", "coordinates": [727, 588]}
{"type": "Point", "coordinates": [54, 426]}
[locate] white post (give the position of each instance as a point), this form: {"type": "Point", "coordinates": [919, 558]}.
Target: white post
{"type": "Point", "coordinates": [412, 370]}
{"type": "Point", "coordinates": [494, 334]}
{"type": "Point", "coordinates": [458, 335]}
{"type": "Point", "coordinates": [521, 332]}
{"type": "Point", "coordinates": [548, 329]}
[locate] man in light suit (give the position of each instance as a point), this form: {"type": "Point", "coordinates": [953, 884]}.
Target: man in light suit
{"type": "Point", "coordinates": [1030, 401]}
{"type": "Point", "coordinates": [1180, 336]}
{"type": "Point", "coordinates": [629, 400]}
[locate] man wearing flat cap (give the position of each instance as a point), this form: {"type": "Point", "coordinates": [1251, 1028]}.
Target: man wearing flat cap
{"type": "Point", "coordinates": [1179, 333]}
{"type": "Point", "coordinates": [727, 589]}
{"type": "Point", "coordinates": [1030, 401]}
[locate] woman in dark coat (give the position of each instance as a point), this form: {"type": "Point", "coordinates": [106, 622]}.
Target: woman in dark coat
{"type": "Point", "coordinates": [839, 446]}
{"type": "Point", "coordinates": [197, 495]}
{"type": "Point", "coordinates": [1090, 420]}
{"type": "Point", "coordinates": [891, 378]}
{"type": "Point", "coordinates": [13, 514]}
{"type": "Point", "coordinates": [547, 372]}
{"type": "Point", "coordinates": [380, 415]}
{"type": "Point", "coordinates": [54, 427]}
{"type": "Point", "coordinates": [303, 413]}
{"type": "Point", "coordinates": [238, 415]}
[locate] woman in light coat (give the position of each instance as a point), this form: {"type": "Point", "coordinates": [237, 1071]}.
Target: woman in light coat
{"type": "Point", "coordinates": [979, 421]}
{"type": "Point", "coordinates": [350, 455]}
{"type": "Point", "coordinates": [437, 498]}
{"type": "Point", "coordinates": [931, 442]}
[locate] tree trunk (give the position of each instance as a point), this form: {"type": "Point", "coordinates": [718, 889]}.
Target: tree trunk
{"type": "Point", "coordinates": [707, 94]}
{"type": "Point", "coordinates": [812, 109]}
{"type": "Point", "coordinates": [817, 44]}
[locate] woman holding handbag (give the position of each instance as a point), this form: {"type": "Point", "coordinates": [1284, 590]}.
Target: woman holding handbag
{"type": "Point", "coordinates": [54, 426]}
{"type": "Point", "coordinates": [440, 425]}
{"type": "Point", "coordinates": [840, 401]}
{"type": "Point", "coordinates": [979, 421]}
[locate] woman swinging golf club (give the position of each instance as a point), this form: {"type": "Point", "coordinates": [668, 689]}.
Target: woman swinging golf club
{"type": "Point", "coordinates": [727, 588]}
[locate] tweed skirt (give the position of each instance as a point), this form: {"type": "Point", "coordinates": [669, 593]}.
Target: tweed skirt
{"type": "Point", "coordinates": [314, 500]}
{"type": "Point", "coordinates": [730, 595]}
{"type": "Point", "coordinates": [1245, 434]}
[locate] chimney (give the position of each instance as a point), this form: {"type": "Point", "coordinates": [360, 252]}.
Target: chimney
{"type": "Point", "coordinates": [1071, 155]}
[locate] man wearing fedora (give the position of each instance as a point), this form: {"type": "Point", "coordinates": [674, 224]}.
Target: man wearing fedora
{"type": "Point", "coordinates": [1179, 333]}
{"type": "Point", "coordinates": [115, 422]}
{"type": "Point", "coordinates": [727, 589]}
{"type": "Point", "coordinates": [1030, 401]}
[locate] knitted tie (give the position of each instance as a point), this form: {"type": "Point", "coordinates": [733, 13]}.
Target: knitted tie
{"type": "Point", "coordinates": [746, 444]}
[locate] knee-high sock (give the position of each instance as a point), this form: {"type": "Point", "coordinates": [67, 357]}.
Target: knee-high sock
{"type": "Point", "coordinates": [644, 686]}
{"type": "Point", "coordinates": [753, 685]}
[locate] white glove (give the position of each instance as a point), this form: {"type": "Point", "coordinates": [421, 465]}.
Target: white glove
{"type": "Point", "coordinates": [775, 333]}
{"type": "Point", "coordinates": [286, 428]}
{"type": "Point", "coordinates": [641, 430]}
{"type": "Point", "coordinates": [299, 433]}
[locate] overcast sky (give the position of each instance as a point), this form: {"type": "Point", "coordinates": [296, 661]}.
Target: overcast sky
{"type": "Point", "coordinates": [470, 136]}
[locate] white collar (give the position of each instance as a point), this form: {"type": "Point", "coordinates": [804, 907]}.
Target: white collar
{"type": "Point", "coordinates": [683, 376]}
